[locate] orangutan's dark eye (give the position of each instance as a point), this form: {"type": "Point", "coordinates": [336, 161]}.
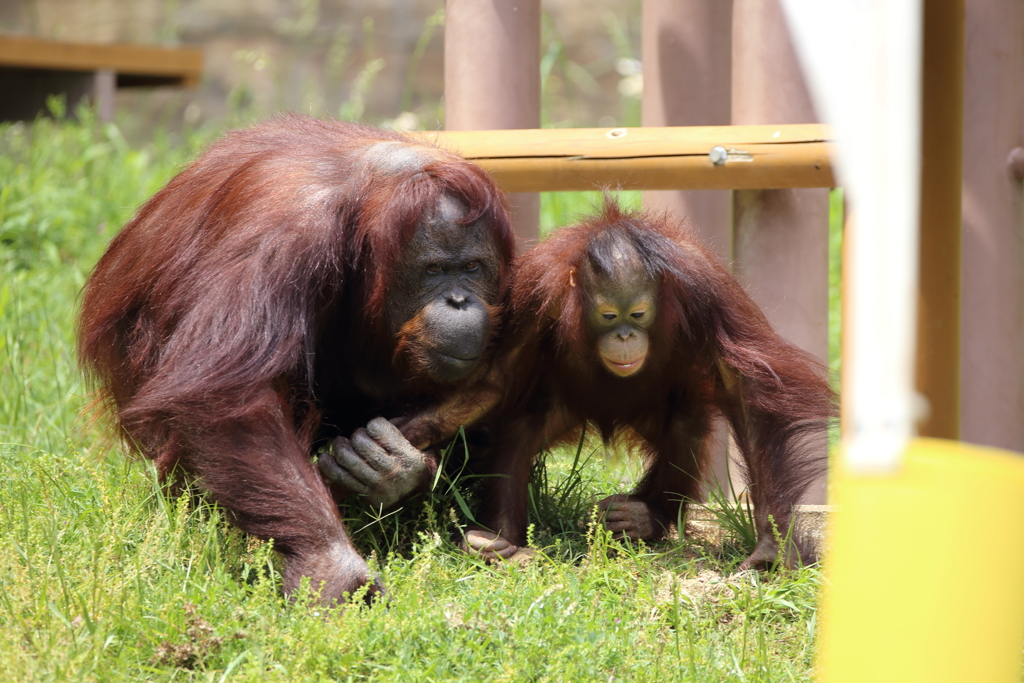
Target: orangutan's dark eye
{"type": "Point", "coordinates": [472, 265]}
{"type": "Point", "coordinates": [609, 316]}
{"type": "Point", "coordinates": [433, 269]}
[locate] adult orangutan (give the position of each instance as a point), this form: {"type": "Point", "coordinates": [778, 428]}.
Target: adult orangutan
{"type": "Point", "coordinates": [298, 280]}
{"type": "Point", "coordinates": [627, 323]}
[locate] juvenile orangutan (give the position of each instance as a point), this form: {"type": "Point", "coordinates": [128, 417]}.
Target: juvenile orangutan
{"type": "Point", "coordinates": [625, 322]}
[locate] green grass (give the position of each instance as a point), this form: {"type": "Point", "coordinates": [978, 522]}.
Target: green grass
{"type": "Point", "coordinates": [105, 578]}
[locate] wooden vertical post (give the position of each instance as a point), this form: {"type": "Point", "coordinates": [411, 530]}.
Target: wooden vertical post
{"type": "Point", "coordinates": [992, 356]}
{"type": "Point", "coordinates": [992, 337]}
{"type": "Point", "coordinates": [104, 89]}
{"type": "Point", "coordinates": [780, 236]}
{"type": "Point", "coordinates": [938, 314]}
{"type": "Point", "coordinates": [686, 49]}
{"type": "Point", "coordinates": [492, 78]}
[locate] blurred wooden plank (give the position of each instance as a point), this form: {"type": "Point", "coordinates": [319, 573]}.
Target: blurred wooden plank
{"type": "Point", "coordinates": [538, 160]}
{"type": "Point", "coordinates": [939, 292]}
{"type": "Point", "coordinates": [181, 66]}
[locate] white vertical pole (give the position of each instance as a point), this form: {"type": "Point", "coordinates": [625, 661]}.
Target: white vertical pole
{"type": "Point", "coordinates": [863, 58]}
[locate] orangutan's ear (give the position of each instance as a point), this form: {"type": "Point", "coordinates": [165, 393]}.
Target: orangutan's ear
{"type": "Point", "coordinates": [555, 306]}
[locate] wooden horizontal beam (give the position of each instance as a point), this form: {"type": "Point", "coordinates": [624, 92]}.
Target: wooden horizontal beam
{"type": "Point", "coordinates": [755, 158]}
{"type": "Point", "coordinates": [179, 65]}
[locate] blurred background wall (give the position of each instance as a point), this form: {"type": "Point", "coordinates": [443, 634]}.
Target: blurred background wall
{"type": "Point", "coordinates": [374, 60]}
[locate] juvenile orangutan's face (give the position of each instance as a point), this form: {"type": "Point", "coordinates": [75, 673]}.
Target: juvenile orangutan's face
{"type": "Point", "coordinates": [621, 314]}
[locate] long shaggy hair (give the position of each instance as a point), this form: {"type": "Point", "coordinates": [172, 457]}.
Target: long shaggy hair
{"type": "Point", "coordinates": [222, 282]}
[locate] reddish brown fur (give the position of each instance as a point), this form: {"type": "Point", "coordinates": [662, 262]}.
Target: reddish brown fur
{"type": "Point", "coordinates": [409, 353]}
{"type": "Point", "coordinates": [712, 353]}
{"type": "Point", "coordinates": [218, 322]}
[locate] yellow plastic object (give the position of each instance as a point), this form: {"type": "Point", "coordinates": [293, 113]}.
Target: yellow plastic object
{"type": "Point", "coordinates": [925, 573]}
